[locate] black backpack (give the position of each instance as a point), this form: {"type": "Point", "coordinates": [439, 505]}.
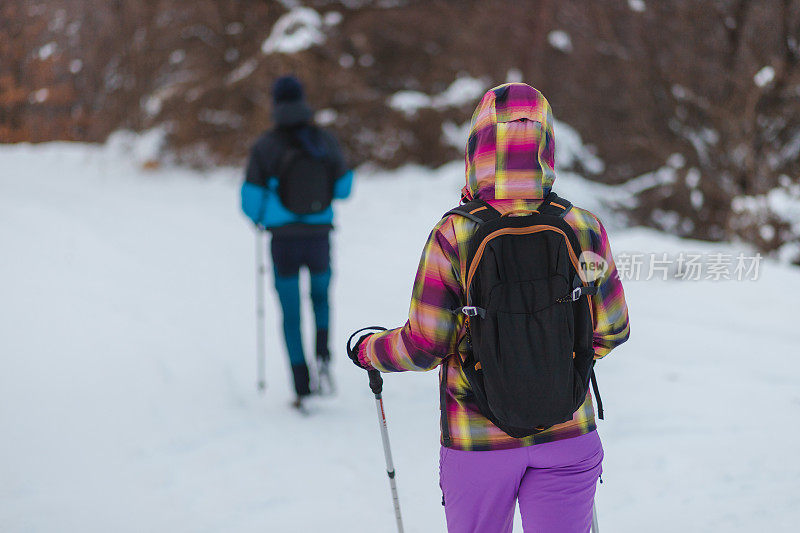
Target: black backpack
{"type": "Point", "coordinates": [305, 182]}
{"type": "Point", "coordinates": [529, 322]}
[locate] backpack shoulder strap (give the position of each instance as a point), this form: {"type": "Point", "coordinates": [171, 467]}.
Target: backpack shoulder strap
{"type": "Point", "coordinates": [294, 148]}
{"type": "Point", "coordinates": [554, 205]}
{"type": "Point", "coordinates": [290, 154]}
{"type": "Point", "coordinates": [476, 210]}
{"type": "Point", "coordinates": [479, 211]}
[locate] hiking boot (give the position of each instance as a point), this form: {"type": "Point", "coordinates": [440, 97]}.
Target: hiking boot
{"type": "Point", "coordinates": [323, 353]}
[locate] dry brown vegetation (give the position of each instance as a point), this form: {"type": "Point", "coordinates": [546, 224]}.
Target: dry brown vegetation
{"type": "Point", "coordinates": [679, 77]}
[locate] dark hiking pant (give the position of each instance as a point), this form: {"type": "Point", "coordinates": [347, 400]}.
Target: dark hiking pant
{"type": "Point", "coordinates": [289, 255]}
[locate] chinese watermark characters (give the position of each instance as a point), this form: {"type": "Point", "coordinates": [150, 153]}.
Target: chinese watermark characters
{"type": "Point", "coordinates": [684, 266]}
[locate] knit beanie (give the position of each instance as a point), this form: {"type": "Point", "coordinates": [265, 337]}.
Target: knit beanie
{"type": "Point", "coordinates": [287, 89]}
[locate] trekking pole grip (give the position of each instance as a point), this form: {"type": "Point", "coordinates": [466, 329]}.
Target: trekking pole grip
{"type": "Point", "coordinates": [375, 382]}
{"type": "Point", "coordinates": [375, 379]}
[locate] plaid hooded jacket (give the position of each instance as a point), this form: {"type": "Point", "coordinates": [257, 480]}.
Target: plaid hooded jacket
{"type": "Point", "coordinates": [510, 164]}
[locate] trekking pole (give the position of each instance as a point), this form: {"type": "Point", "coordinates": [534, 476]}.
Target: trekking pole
{"type": "Point", "coordinates": [595, 527]}
{"type": "Point", "coordinates": [376, 384]}
{"type": "Point", "coordinates": [261, 272]}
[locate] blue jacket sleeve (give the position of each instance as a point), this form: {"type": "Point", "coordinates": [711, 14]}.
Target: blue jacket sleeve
{"type": "Point", "coordinates": [254, 202]}
{"type": "Point", "coordinates": [254, 187]}
{"type": "Point", "coordinates": [343, 186]}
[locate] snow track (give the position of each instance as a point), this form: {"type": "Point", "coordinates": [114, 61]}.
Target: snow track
{"type": "Point", "coordinates": [127, 368]}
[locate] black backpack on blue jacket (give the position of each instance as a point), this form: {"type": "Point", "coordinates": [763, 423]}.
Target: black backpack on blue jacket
{"type": "Point", "coordinates": [305, 180]}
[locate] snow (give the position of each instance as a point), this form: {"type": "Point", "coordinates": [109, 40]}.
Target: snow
{"type": "Point", "coordinates": [127, 368]}
{"type": "Point", "coordinates": [785, 202]}
{"type": "Point", "coordinates": [332, 18]}
{"type": "Point", "coordinates": [662, 176]}
{"type": "Point", "coordinates": [297, 30]}
{"type": "Point", "coordinates": [152, 105]}
{"type": "Point", "coordinates": [560, 40]}
{"type": "Point", "coordinates": [242, 71]}
{"type": "Point", "coordinates": [221, 117]}
{"type": "Point", "coordinates": [177, 56]}
{"type": "Point", "coordinates": [58, 21]}
{"type": "Point", "coordinates": [666, 220]}
{"type": "Point", "coordinates": [693, 177]}
{"type": "Point", "coordinates": [676, 161]}
{"type": "Point", "coordinates": [789, 252]}
{"type": "Point", "coordinates": [346, 61]}
{"type": "Point", "coordinates": [680, 92]}
{"type": "Point", "coordinates": [40, 96]}
{"type": "Point", "coordinates": [47, 50]}
{"type": "Point", "coordinates": [570, 150]}
{"type": "Point", "coordinates": [409, 102]}
{"type": "Point", "coordinates": [234, 28]}
{"type": "Point", "coordinates": [696, 198]}
{"type": "Point", "coordinates": [637, 5]}
{"type": "Point", "coordinates": [326, 117]}
{"type": "Point", "coordinates": [137, 148]}
{"type": "Point", "coordinates": [455, 135]}
{"type": "Point", "coordinates": [700, 140]}
{"type": "Point", "coordinates": [791, 150]}
{"type": "Point", "coordinates": [764, 76]}
{"type": "Point", "coordinates": [75, 66]}
{"type": "Point", "coordinates": [464, 90]}
{"type": "Point", "coordinates": [782, 202]}
{"type": "Point", "coordinates": [514, 75]}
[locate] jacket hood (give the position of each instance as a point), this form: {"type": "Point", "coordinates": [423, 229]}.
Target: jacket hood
{"type": "Point", "coordinates": [511, 148]}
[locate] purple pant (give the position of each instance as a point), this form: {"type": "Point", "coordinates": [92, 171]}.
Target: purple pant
{"type": "Point", "coordinates": [554, 483]}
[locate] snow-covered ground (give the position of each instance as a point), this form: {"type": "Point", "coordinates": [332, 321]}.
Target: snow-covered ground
{"type": "Point", "coordinates": [127, 367]}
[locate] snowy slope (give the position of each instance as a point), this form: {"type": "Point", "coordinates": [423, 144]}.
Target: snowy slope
{"type": "Point", "coordinates": [127, 368]}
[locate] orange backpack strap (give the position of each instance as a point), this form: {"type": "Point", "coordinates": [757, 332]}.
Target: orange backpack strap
{"type": "Point", "coordinates": [554, 205]}
{"type": "Point", "coordinates": [476, 210]}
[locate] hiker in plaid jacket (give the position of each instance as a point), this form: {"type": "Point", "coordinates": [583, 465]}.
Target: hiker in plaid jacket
{"type": "Point", "coordinates": [510, 165]}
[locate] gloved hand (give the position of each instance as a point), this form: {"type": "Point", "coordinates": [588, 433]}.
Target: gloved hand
{"type": "Point", "coordinates": [352, 353]}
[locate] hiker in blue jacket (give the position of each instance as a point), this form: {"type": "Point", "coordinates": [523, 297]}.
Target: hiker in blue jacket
{"type": "Point", "coordinates": [295, 171]}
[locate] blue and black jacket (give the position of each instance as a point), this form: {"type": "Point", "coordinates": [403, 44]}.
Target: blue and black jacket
{"type": "Point", "coordinates": [260, 199]}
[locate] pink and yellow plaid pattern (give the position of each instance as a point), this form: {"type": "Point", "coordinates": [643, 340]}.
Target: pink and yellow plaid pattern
{"type": "Point", "coordinates": [509, 164]}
